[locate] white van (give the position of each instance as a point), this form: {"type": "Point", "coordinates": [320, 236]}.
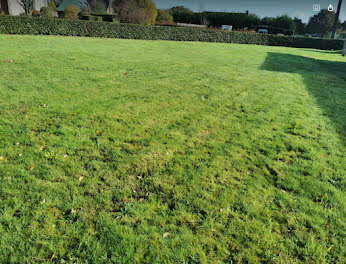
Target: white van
{"type": "Point", "coordinates": [263, 31]}
{"type": "Point", "coordinates": [227, 27]}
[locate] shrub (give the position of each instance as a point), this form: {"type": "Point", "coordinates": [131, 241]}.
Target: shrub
{"type": "Point", "coordinates": [42, 26]}
{"type": "Point", "coordinates": [96, 18]}
{"type": "Point", "coordinates": [98, 7]}
{"type": "Point", "coordinates": [46, 12]}
{"type": "Point", "coordinates": [35, 13]}
{"type": "Point", "coordinates": [85, 17]}
{"type": "Point", "coordinates": [182, 14]}
{"type": "Point", "coordinates": [85, 11]}
{"type": "Point", "coordinates": [164, 17]}
{"type": "Point", "coordinates": [71, 12]}
{"type": "Point", "coordinates": [52, 6]}
{"type": "Point", "coordinates": [136, 11]}
{"type": "Point", "coordinates": [129, 12]}
{"type": "Point", "coordinates": [150, 9]}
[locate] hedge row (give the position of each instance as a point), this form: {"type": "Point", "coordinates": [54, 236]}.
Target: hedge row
{"type": "Point", "coordinates": [43, 26]}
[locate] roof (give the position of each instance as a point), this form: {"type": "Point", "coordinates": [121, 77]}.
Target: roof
{"type": "Point", "coordinates": [79, 3]}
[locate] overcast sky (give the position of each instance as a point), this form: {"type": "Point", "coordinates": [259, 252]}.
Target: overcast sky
{"type": "Point", "coordinates": [298, 8]}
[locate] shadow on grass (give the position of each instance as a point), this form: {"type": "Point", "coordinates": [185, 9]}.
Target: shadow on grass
{"type": "Point", "coordinates": [324, 51]}
{"type": "Point", "coordinates": [325, 80]}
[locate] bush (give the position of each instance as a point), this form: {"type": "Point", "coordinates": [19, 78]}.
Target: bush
{"type": "Point", "coordinates": [71, 12]}
{"type": "Point", "coordinates": [150, 9]}
{"type": "Point", "coordinates": [182, 14]}
{"type": "Point", "coordinates": [164, 17]}
{"type": "Point", "coordinates": [136, 11]}
{"type": "Point", "coordinates": [96, 18]}
{"type": "Point", "coordinates": [42, 26]}
{"type": "Point", "coordinates": [98, 7]}
{"type": "Point", "coordinates": [52, 6]}
{"type": "Point", "coordinates": [85, 17]}
{"type": "Point", "coordinates": [35, 13]}
{"type": "Point", "coordinates": [85, 11]}
{"type": "Point", "coordinates": [46, 12]}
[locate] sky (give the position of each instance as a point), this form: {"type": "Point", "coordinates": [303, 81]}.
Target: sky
{"type": "Point", "coordinates": [294, 8]}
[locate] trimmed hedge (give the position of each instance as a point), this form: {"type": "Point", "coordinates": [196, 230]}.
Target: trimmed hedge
{"type": "Point", "coordinates": [43, 26]}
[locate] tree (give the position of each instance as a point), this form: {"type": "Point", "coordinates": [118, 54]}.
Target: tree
{"type": "Point", "coordinates": [182, 14]}
{"type": "Point", "coordinates": [252, 20]}
{"type": "Point", "coordinates": [128, 11]}
{"type": "Point", "coordinates": [284, 22]}
{"type": "Point", "coordinates": [136, 11]}
{"type": "Point", "coordinates": [321, 23]}
{"type": "Point", "coordinates": [164, 17]}
{"type": "Point", "coordinates": [27, 5]}
{"type": "Point", "coordinates": [204, 19]}
{"type": "Point", "coordinates": [98, 7]}
{"type": "Point", "coordinates": [150, 9]}
{"type": "Point", "coordinates": [268, 21]}
{"type": "Point", "coordinates": [300, 27]}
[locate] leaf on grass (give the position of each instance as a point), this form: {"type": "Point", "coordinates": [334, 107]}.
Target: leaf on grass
{"type": "Point", "coordinates": [165, 234]}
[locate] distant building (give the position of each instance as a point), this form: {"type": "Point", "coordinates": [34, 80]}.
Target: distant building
{"type": "Point", "coordinates": [12, 7]}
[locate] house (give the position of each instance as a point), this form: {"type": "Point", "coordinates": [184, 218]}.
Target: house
{"type": "Point", "coordinates": [12, 7]}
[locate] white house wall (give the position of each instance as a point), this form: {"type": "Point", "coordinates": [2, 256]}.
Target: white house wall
{"type": "Point", "coordinates": [40, 3]}
{"type": "Point", "coordinates": [15, 9]}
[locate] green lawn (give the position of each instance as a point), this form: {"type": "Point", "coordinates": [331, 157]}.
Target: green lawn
{"type": "Point", "coordinates": [129, 151]}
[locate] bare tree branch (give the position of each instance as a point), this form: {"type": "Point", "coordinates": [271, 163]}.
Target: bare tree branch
{"type": "Point", "coordinates": [27, 5]}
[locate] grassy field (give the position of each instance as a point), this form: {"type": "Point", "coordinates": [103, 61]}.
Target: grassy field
{"type": "Point", "coordinates": [127, 151]}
